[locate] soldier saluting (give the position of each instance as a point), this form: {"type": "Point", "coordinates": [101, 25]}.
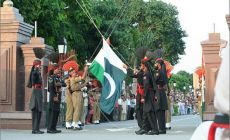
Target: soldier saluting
{"type": "Point", "coordinates": [35, 82]}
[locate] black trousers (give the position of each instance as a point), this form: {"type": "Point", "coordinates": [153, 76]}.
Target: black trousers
{"type": "Point", "coordinates": [119, 112]}
{"type": "Point", "coordinates": [139, 115]}
{"type": "Point", "coordinates": [36, 119]}
{"type": "Point", "coordinates": [161, 120]}
{"type": "Point", "coordinates": [150, 121]}
{"type": "Point", "coordinates": [52, 123]}
{"type": "Point", "coordinates": [139, 111]}
{"type": "Point", "coordinates": [131, 113]}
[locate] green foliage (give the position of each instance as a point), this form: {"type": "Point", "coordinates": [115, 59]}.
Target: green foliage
{"type": "Point", "coordinates": [182, 79]}
{"type": "Point", "coordinates": [49, 16]}
{"type": "Point", "coordinates": [158, 26]}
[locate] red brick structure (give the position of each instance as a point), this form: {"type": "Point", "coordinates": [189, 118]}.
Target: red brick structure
{"type": "Point", "coordinates": [16, 58]}
{"type": "Point", "coordinates": [211, 61]}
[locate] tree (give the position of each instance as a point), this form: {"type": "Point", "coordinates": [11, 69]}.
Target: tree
{"type": "Point", "coordinates": [157, 25]}
{"type": "Point", "coordinates": [159, 28]}
{"type": "Point", "coordinates": [49, 16]}
{"type": "Point", "coordinates": [57, 19]}
{"type": "Point", "coordinates": [182, 79]}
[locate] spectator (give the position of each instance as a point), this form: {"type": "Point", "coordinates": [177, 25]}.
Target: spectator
{"type": "Point", "coordinates": [128, 108]}
{"type": "Point", "coordinates": [115, 112]}
{"type": "Point", "coordinates": [119, 108]}
{"type": "Point", "coordinates": [132, 107]}
{"type": "Point", "coordinates": [124, 108]}
{"type": "Point", "coordinates": [90, 107]}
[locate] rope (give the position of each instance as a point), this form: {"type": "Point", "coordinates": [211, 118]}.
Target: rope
{"type": "Point", "coordinates": [85, 10]}
{"type": "Point", "coordinates": [118, 19]}
{"type": "Point", "coordinates": [115, 18]}
{"type": "Point", "coordinates": [108, 30]}
{"type": "Point", "coordinates": [90, 18]}
{"type": "Point", "coordinates": [121, 56]}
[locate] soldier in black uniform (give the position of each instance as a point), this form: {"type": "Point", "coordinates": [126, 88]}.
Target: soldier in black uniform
{"type": "Point", "coordinates": [54, 88]}
{"type": "Point", "coordinates": [35, 82]}
{"type": "Point", "coordinates": [148, 100]}
{"type": "Point", "coordinates": [161, 81]}
{"type": "Point", "coordinates": [143, 124]}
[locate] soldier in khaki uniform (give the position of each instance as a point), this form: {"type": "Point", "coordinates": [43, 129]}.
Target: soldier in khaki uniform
{"type": "Point", "coordinates": [168, 113]}
{"type": "Point", "coordinates": [75, 84]}
{"type": "Point", "coordinates": [69, 104]}
{"type": "Point", "coordinates": [74, 98]}
{"type": "Point", "coordinates": [96, 107]}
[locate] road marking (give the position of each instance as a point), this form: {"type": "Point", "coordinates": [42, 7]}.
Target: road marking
{"type": "Point", "coordinates": [118, 129]}
{"type": "Point", "coordinates": [121, 129]}
{"type": "Point", "coordinates": [176, 132]}
{"type": "Point", "coordinates": [184, 119]}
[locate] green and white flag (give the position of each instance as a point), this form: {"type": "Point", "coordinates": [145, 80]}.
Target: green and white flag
{"type": "Point", "coordinates": [108, 69]}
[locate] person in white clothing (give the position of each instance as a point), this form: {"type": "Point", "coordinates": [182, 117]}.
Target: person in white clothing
{"type": "Point", "coordinates": [124, 108]}
{"type": "Point", "coordinates": [119, 101]}
{"type": "Point", "coordinates": [132, 107]}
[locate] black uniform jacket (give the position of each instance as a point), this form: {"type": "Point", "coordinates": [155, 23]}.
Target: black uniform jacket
{"type": "Point", "coordinates": [162, 81]}
{"type": "Point", "coordinates": [54, 88]}
{"type": "Point", "coordinates": [149, 93]}
{"type": "Point", "coordinates": [36, 97]}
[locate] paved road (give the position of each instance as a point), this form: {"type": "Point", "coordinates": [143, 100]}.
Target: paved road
{"type": "Point", "coordinates": [182, 129]}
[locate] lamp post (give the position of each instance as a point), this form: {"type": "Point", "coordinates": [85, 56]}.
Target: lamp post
{"type": "Point", "coordinates": [62, 48]}
{"type": "Point", "coordinates": [190, 87]}
{"type": "Point", "coordinates": [184, 89]}
{"type": "Point", "coordinates": [174, 92]}
{"type": "Point", "coordinates": [174, 86]}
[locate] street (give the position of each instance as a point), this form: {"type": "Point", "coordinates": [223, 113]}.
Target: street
{"type": "Point", "coordinates": [182, 129]}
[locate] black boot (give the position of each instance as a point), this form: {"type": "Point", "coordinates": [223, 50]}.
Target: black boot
{"type": "Point", "coordinates": [37, 132]}
{"type": "Point", "coordinates": [162, 131]}
{"type": "Point", "coordinates": [57, 131]}
{"type": "Point", "coordinates": [141, 132]}
{"type": "Point", "coordinates": [137, 131]}
{"type": "Point", "coordinates": [152, 132]}
{"type": "Point", "coordinates": [51, 131]}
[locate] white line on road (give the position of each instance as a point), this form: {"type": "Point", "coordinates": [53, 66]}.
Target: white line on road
{"type": "Point", "coordinates": [118, 129]}
{"type": "Point", "coordinates": [176, 132]}
{"type": "Point", "coordinates": [184, 119]}
{"type": "Point", "coordinates": [121, 129]}
{"type": "Point", "coordinates": [132, 127]}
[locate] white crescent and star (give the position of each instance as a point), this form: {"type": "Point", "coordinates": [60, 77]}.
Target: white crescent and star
{"type": "Point", "coordinates": [112, 85]}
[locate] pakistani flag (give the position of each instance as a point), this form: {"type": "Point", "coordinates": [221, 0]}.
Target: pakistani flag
{"type": "Point", "coordinates": [108, 69]}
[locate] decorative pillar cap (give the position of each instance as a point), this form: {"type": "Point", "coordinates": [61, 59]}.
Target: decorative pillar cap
{"type": "Point", "coordinates": [8, 3]}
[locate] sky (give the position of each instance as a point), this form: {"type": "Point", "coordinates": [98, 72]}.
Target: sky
{"type": "Point", "coordinates": [197, 18]}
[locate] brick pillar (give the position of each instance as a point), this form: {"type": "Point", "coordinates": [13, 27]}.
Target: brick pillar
{"type": "Point", "coordinates": [13, 32]}
{"type": "Point", "coordinates": [211, 49]}
{"type": "Point", "coordinates": [13, 74]}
